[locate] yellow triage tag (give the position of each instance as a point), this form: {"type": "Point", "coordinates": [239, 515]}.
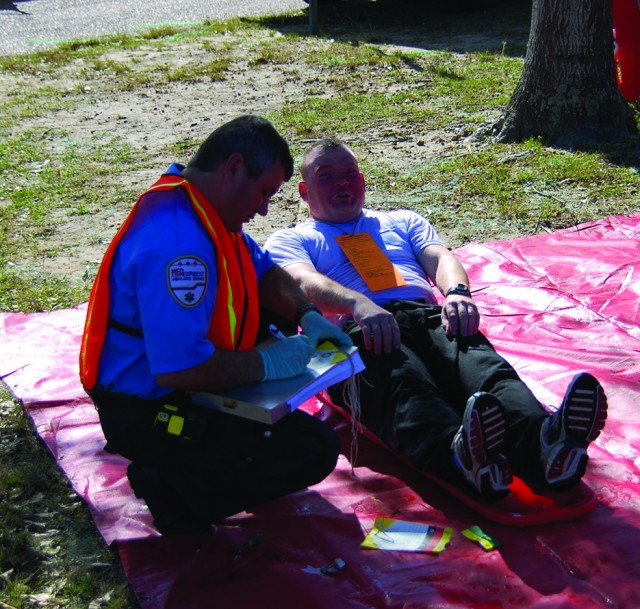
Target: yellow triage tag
{"type": "Point", "coordinates": [486, 542]}
{"type": "Point", "coordinates": [328, 350]}
{"type": "Point", "coordinates": [402, 536]}
{"type": "Point", "coordinates": [373, 265]}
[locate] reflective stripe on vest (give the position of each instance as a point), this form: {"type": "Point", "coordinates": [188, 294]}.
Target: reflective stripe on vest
{"type": "Point", "coordinates": [235, 318]}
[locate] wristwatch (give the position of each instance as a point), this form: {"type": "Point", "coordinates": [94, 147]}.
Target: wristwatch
{"type": "Point", "coordinates": [304, 308]}
{"type": "Point", "coordinates": [459, 288]}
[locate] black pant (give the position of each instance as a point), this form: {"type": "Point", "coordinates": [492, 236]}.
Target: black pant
{"type": "Point", "coordinates": [234, 465]}
{"type": "Point", "coordinates": [414, 398]}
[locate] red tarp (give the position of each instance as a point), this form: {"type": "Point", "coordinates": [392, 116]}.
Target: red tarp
{"type": "Point", "coordinates": [552, 304]}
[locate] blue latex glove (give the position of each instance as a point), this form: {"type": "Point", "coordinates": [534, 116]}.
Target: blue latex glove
{"type": "Point", "coordinates": [286, 358]}
{"type": "Point", "coordinates": [318, 328]}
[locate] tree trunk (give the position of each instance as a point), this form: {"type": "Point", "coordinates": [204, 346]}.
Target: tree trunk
{"type": "Point", "coordinates": [568, 93]}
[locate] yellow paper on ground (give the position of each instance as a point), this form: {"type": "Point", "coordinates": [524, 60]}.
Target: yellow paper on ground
{"type": "Point", "coordinates": [402, 536]}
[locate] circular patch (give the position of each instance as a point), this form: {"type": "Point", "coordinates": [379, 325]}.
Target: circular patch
{"type": "Point", "coordinates": [187, 279]}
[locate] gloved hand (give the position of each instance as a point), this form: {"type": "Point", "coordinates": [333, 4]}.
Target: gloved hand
{"type": "Point", "coordinates": [316, 327]}
{"type": "Point", "coordinates": [286, 358]}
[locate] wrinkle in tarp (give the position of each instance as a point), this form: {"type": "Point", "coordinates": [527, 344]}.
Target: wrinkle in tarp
{"type": "Point", "coordinates": [552, 304]}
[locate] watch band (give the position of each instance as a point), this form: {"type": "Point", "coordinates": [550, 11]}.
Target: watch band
{"type": "Point", "coordinates": [459, 288]}
{"type": "Point", "coordinates": [305, 308]}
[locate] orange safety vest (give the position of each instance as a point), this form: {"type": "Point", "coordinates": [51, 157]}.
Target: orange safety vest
{"type": "Point", "coordinates": [234, 322]}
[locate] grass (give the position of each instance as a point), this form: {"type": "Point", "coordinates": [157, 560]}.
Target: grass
{"type": "Point", "coordinates": [37, 192]}
{"type": "Point", "coordinates": [50, 554]}
{"type": "Point", "coordinates": [368, 78]}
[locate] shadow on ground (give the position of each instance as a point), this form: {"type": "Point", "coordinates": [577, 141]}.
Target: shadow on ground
{"type": "Point", "coordinates": [462, 26]}
{"type": "Point", "coordinates": [13, 5]}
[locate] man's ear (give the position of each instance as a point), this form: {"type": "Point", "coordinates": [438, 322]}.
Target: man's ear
{"type": "Point", "coordinates": [234, 162]}
{"type": "Point", "coordinates": [302, 190]}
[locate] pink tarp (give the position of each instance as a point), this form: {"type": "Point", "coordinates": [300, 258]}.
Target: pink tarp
{"type": "Point", "coordinates": [552, 304]}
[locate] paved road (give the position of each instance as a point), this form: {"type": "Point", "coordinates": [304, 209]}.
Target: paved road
{"type": "Point", "coordinates": [30, 25]}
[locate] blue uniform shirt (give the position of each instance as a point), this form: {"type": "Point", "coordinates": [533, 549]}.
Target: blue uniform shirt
{"type": "Point", "coordinates": [165, 235]}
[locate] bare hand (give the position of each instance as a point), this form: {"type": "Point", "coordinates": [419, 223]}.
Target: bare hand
{"type": "Point", "coordinates": [460, 316]}
{"type": "Point", "coordinates": [379, 328]}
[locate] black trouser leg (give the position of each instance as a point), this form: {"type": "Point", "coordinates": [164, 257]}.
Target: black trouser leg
{"type": "Point", "coordinates": [236, 463]}
{"type": "Point", "coordinates": [253, 463]}
{"type": "Point", "coordinates": [414, 399]}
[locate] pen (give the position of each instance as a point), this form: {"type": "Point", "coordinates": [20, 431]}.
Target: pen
{"type": "Point", "coordinates": [274, 330]}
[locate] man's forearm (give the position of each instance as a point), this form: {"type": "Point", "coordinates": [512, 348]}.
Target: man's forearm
{"type": "Point", "coordinates": [330, 296]}
{"type": "Point", "coordinates": [442, 267]}
{"type": "Point", "coordinates": [380, 329]}
{"type": "Point", "coordinates": [450, 272]}
{"type": "Point", "coordinates": [224, 369]}
{"type": "Point", "coordinates": [280, 293]}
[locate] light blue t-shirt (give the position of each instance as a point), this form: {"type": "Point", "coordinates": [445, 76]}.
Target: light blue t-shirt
{"type": "Point", "coordinates": [400, 234]}
{"type": "Point", "coordinates": [162, 283]}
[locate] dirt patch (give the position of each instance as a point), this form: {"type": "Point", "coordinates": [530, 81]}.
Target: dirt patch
{"type": "Point", "coordinates": [166, 120]}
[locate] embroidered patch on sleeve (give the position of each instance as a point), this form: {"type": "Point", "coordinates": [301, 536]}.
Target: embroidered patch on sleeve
{"type": "Point", "coordinates": [187, 278]}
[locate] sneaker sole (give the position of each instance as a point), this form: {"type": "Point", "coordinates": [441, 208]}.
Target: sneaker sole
{"type": "Point", "coordinates": [585, 409]}
{"type": "Point", "coordinates": [584, 415]}
{"type": "Point", "coordinates": [487, 427]}
{"type": "Point", "coordinates": [486, 430]}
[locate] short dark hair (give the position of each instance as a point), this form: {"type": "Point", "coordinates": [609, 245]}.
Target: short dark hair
{"type": "Point", "coordinates": [323, 145]}
{"type": "Point", "coordinates": [252, 136]}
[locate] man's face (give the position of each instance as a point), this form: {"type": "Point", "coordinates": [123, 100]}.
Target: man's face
{"type": "Point", "coordinates": [334, 187]}
{"type": "Point", "coordinates": [247, 196]}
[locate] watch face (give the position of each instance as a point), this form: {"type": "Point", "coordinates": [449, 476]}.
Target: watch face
{"type": "Point", "coordinates": [461, 289]}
